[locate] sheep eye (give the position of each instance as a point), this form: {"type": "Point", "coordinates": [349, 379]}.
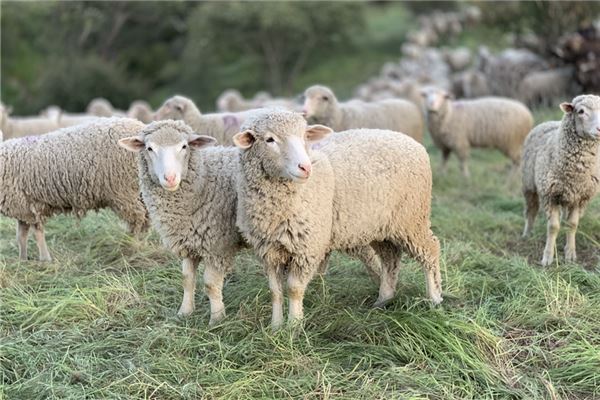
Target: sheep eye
{"type": "Point", "coordinates": [325, 98]}
{"type": "Point", "coordinates": [184, 146]}
{"type": "Point", "coordinates": [581, 112]}
{"type": "Point", "coordinates": [150, 149]}
{"type": "Point", "coordinates": [270, 140]}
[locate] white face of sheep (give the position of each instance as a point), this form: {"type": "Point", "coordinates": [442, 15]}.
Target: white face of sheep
{"type": "Point", "coordinates": [167, 160]}
{"type": "Point", "coordinates": [587, 117]}
{"type": "Point", "coordinates": [317, 103]}
{"type": "Point", "coordinates": [283, 155]}
{"type": "Point", "coordinates": [172, 109]}
{"type": "Point", "coordinates": [434, 99]}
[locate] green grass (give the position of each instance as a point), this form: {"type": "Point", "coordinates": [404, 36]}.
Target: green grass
{"type": "Point", "coordinates": [99, 322]}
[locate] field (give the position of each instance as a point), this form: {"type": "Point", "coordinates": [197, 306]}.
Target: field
{"type": "Point", "coordinates": [100, 321]}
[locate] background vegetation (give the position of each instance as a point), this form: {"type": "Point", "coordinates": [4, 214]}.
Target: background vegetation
{"type": "Point", "coordinates": [66, 53]}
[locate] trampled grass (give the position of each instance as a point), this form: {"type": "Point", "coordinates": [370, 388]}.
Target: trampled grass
{"type": "Point", "coordinates": [99, 322]}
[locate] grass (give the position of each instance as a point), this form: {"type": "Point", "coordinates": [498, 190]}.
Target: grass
{"type": "Point", "coordinates": [99, 322]}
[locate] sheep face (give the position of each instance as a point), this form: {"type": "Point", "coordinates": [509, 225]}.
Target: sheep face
{"type": "Point", "coordinates": [586, 112]}
{"type": "Point", "coordinates": [319, 103]}
{"type": "Point", "coordinates": [282, 153]}
{"type": "Point", "coordinates": [174, 108]}
{"type": "Point", "coordinates": [434, 98]}
{"type": "Point", "coordinates": [166, 153]}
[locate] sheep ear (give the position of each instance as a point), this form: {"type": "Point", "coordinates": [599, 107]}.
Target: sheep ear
{"type": "Point", "coordinates": [133, 143]}
{"type": "Point", "coordinates": [200, 141]}
{"type": "Point", "coordinates": [566, 107]}
{"type": "Point", "coordinates": [244, 140]}
{"type": "Point", "coordinates": [314, 133]}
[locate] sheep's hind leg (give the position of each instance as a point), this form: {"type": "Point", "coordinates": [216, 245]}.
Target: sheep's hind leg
{"type": "Point", "coordinates": [188, 269]}
{"type": "Point", "coordinates": [390, 255]}
{"type": "Point", "coordinates": [425, 248]}
{"type": "Point", "coordinates": [552, 233]}
{"type": "Point", "coordinates": [532, 206]}
{"type": "Point", "coordinates": [572, 223]}
{"type": "Point", "coordinates": [40, 238]}
{"type": "Point", "coordinates": [22, 233]}
{"type": "Point", "coordinates": [214, 277]}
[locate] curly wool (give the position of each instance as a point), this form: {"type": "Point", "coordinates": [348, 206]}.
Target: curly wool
{"type": "Point", "coordinates": [74, 170]}
{"type": "Point", "coordinates": [221, 126]}
{"type": "Point", "coordinates": [488, 122]}
{"type": "Point", "coordinates": [394, 114]}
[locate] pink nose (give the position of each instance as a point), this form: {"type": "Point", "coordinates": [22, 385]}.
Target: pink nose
{"type": "Point", "coordinates": [170, 179]}
{"type": "Point", "coordinates": [306, 168]}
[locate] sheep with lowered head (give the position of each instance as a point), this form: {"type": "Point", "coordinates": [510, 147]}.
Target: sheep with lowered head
{"type": "Point", "coordinates": [488, 122]}
{"type": "Point", "coordinates": [221, 126]}
{"type": "Point", "coordinates": [561, 169]}
{"type": "Point", "coordinates": [70, 170]}
{"type": "Point", "coordinates": [141, 111]}
{"type": "Point", "coordinates": [321, 106]}
{"type": "Point", "coordinates": [366, 187]}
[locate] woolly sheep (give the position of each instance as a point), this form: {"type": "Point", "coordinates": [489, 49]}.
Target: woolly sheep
{"type": "Point", "coordinates": [141, 111]}
{"type": "Point", "coordinates": [190, 192]}
{"type": "Point", "coordinates": [231, 100]}
{"type": "Point", "coordinates": [14, 127]}
{"type": "Point", "coordinates": [321, 106]}
{"type": "Point", "coordinates": [365, 187]}
{"type": "Point", "coordinates": [458, 59]}
{"type": "Point", "coordinates": [488, 122]}
{"type": "Point", "coordinates": [545, 87]}
{"type": "Point", "coordinates": [561, 169]}
{"type": "Point", "coordinates": [71, 170]}
{"type": "Point", "coordinates": [100, 108]}
{"type": "Point", "coordinates": [221, 126]}
{"type": "Point", "coordinates": [65, 119]}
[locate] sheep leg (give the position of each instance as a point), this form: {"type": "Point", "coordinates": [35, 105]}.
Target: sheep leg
{"type": "Point", "coordinates": [572, 223]}
{"type": "Point", "coordinates": [296, 286]}
{"type": "Point", "coordinates": [323, 265]}
{"type": "Point", "coordinates": [188, 269]}
{"type": "Point", "coordinates": [532, 206]}
{"type": "Point", "coordinates": [40, 238]}
{"type": "Point", "coordinates": [214, 277]}
{"type": "Point", "coordinates": [463, 157]}
{"type": "Point", "coordinates": [390, 255]}
{"type": "Point", "coordinates": [445, 157]}
{"type": "Point", "coordinates": [368, 256]}
{"type": "Point", "coordinates": [276, 287]}
{"type": "Point", "coordinates": [22, 233]}
{"type": "Point", "coordinates": [425, 248]}
{"type": "Point", "coordinates": [552, 233]}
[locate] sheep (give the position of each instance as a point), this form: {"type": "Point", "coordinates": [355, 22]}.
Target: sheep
{"type": "Point", "coordinates": [561, 169]}
{"type": "Point", "coordinates": [231, 100]}
{"type": "Point", "coordinates": [189, 189]}
{"type": "Point", "coordinates": [544, 87]}
{"type": "Point", "coordinates": [221, 126]}
{"type": "Point", "coordinates": [365, 187]}
{"type": "Point", "coordinates": [101, 107]}
{"type": "Point", "coordinates": [14, 127]}
{"type": "Point", "coordinates": [321, 106]}
{"type": "Point", "coordinates": [70, 170]}
{"type": "Point", "coordinates": [141, 111]}
{"type": "Point", "coordinates": [190, 193]}
{"type": "Point", "coordinates": [489, 122]}
{"type": "Point", "coordinates": [458, 59]}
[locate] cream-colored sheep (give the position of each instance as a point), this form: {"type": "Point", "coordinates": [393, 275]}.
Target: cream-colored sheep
{"type": "Point", "coordinates": [487, 122]}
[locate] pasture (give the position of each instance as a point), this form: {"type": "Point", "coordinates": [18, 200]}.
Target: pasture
{"type": "Point", "coordinates": [100, 320]}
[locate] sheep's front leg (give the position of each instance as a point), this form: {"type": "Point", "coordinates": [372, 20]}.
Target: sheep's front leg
{"type": "Point", "coordinates": [463, 158]}
{"type": "Point", "coordinates": [188, 269]}
{"type": "Point", "coordinates": [40, 238]}
{"type": "Point", "coordinates": [296, 286]}
{"type": "Point", "coordinates": [214, 276]}
{"type": "Point", "coordinates": [552, 233]}
{"type": "Point", "coordinates": [276, 287]}
{"type": "Point", "coordinates": [572, 223]}
{"type": "Point", "coordinates": [22, 232]}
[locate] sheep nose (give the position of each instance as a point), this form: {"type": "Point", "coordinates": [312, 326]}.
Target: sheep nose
{"type": "Point", "coordinates": [170, 179]}
{"type": "Point", "coordinates": [306, 168]}
{"type": "Point", "coordinates": [304, 112]}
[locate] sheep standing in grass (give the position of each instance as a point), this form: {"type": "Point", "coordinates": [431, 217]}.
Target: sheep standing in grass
{"type": "Point", "coordinates": [321, 106]}
{"type": "Point", "coordinates": [366, 188]}
{"type": "Point", "coordinates": [71, 170]}
{"type": "Point", "coordinates": [14, 127]}
{"type": "Point", "coordinates": [221, 126]}
{"type": "Point", "coordinates": [190, 193]}
{"type": "Point", "coordinates": [561, 169]}
{"type": "Point", "coordinates": [489, 122]}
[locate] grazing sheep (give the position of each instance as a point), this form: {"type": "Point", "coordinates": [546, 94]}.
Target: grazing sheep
{"type": "Point", "coordinates": [561, 169]}
{"type": "Point", "coordinates": [321, 106]}
{"type": "Point", "coordinates": [364, 188]}
{"type": "Point", "coordinates": [14, 127]}
{"type": "Point", "coordinates": [141, 111]}
{"type": "Point", "coordinates": [190, 193]}
{"type": "Point", "coordinates": [100, 107]}
{"type": "Point", "coordinates": [546, 87]}
{"type": "Point", "coordinates": [488, 122]}
{"type": "Point", "coordinates": [231, 100]}
{"type": "Point", "coordinates": [71, 170]}
{"type": "Point", "coordinates": [221, 126]}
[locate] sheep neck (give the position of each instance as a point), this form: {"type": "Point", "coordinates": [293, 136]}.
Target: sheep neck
{"type": "Point", "coordinates": [577, 155]}
{"type": "Point", "coordinates": [438, 118]}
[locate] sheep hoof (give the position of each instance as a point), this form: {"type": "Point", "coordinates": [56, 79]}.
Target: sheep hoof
{"type": "Point", "coordinates": [184, 311]}
{"type": "Point", "coordinates": [570, 255]}
{"type": "Point", "coordinates": [45, 258]}
{"type": "Point", "coordinates": [382, 303]}
{"type": "Point", "coordinates": [437, 299]}
{"type": "Point", "coordinates": [216, 318]}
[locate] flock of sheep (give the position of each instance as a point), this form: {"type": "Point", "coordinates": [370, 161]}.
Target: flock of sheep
{"type": "Point", "coordinates": [292, 181]}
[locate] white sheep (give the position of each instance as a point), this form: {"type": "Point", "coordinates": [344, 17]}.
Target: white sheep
{"type": "Point", "coordinates": [14, 127]}
{"type": "Point", "coordinates": [487, 122]}
{"type": "Point", "coordinates": [365, 187]}
{"type": "Point", "coordinates": [71, 170]}
{"type": "Point", "coordinates": [321, 106]}
{"type": "Point", "coordinates": [545, 87]}
{"type": "Point", "coordinates": [141, 111]}
{"type": "Point", "coordinates": [221, 126]}
{"type": "Point", "coordinates": [561, 169]}
{"type": "Point", "coordinates": [101, 107]}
